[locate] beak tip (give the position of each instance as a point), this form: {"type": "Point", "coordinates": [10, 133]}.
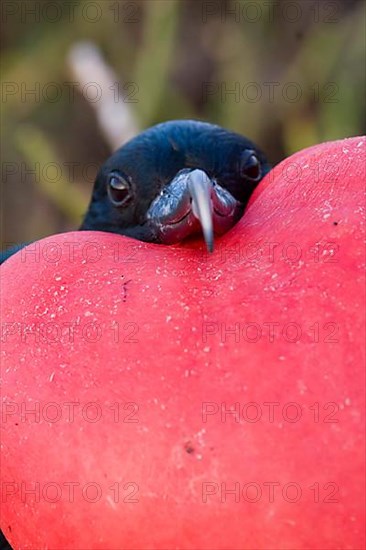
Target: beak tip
{"type": "Point", "coordinates": [200, 187]}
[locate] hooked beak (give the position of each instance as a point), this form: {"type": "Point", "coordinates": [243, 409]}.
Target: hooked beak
{"type": "Point", "coordinates": [200, 187]}
{"type": "Point", "coordinates": [193, 203]}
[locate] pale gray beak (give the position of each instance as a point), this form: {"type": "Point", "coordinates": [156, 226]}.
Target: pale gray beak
{"type": "Point", "coordinates": [200, 187]}
{"type": "Point", "coordinates": [192, 203]}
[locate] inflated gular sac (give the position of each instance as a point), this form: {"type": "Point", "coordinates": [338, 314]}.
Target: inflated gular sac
{"type": "Point", "coordinates": [164, 397]}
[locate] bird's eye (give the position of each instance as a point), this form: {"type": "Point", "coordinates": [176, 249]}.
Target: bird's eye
{"type": "Point", "coordinates": [119, 190]}
{"type": "Point", "coordinates": [250, 166]}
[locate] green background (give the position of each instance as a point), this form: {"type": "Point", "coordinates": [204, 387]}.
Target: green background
{"type": "Point", "coordinates": [296, 70]}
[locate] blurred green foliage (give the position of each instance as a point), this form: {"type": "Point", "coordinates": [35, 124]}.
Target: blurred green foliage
{"type": "Point", "coordinates": [286, 74]}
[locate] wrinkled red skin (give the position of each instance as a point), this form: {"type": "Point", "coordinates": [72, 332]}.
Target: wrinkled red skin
{"type": "Point", "coordinates": [162, 314]}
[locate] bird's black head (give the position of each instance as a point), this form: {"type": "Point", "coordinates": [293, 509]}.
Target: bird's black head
{"type": "Point", "coordinates": [174, 180]}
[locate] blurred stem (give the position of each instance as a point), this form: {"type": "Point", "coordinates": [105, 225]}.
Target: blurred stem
{"type": "Point", "coordinates": [116, 117]}
{"type": "Point", "coordinates": [155, 56]}
{"type": "Point", "coordinates": [65, 195]}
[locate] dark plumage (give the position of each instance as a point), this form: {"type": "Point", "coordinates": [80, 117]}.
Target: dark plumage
{"type": "Point", "coordinates": [160, 163]}
{"type": "Point", "coordinates": [4, 545]}
{"type": "Point", "coordinates": [174, 180]}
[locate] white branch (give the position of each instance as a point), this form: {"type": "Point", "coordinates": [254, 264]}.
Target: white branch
{"type": "Point", "coordinates": [115, 117]}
